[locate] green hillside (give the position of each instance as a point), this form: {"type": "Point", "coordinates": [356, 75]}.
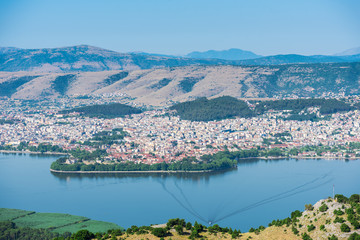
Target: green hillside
{"type": "Point", "coordinates": [203, 109]}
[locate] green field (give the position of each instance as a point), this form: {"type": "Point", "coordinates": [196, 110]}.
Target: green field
{"type": "Point", "coordinates": [57, 222]}
{"type": "Point", "coordinates": [11, 214]}
{"type": "Point", "coordinates": [47, 220]}
{"type": "Point", "coordinates": [91, 225]}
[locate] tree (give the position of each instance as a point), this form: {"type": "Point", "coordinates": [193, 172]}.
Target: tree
{"type": "Point", "coordinates": [296, 214]}
{"type": "Point", "coordinates": [341, 198]}
{"type": "Point", "coordinates": [235, 234]}
{"type": "Point", "coordinates": [83, 235]}
{"type": "Point", "coordinates": [294, 152]}
{"type": "Point", "coordinates": [159, 232]}
{"type": "Point", "coordinates": [355, 198]}
{"type": "Point", "coordinates": [188, 226]}
{"type": "Point", "coordinates": [179, 229]}
{"type": "Point", "coordinates": [194, 233]}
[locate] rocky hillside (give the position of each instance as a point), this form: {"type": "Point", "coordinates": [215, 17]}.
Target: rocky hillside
{"type": "Point", "coordinates": [166, 86]}
{"type": "Point", "coordinates": [327, 219]}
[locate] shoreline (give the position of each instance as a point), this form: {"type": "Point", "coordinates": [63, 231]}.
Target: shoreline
{"type": "Point", "coordinates": [302, 157]}
{"type": "Point", "coordinates": [265, 158]}
{"type": "Point", "coordinates": [30, 152]}
{"type": "Point", "coordinates": [154, 171]}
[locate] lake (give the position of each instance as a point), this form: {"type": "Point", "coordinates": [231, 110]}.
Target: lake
{"type": "Point", "coordinates": [254, 194]}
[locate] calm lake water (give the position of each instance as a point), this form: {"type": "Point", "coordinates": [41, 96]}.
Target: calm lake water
{"type": "Point", "coordinates": [252, 195]}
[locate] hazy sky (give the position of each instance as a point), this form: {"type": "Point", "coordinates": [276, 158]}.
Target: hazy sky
{"type": "Point", "coordinates": [265, 27]}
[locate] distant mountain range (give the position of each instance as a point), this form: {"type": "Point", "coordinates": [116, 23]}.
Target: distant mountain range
{"type": "Point", "coordinates": [294, 58]}
{"type": "Point", "coordinates": [166, 86]}
{"type": "Point", "coordinates": [352, 51]}
{"type": "Point", "coordinates": [231, 54]}
{"type": "Point", "coordinates": [86, 58]}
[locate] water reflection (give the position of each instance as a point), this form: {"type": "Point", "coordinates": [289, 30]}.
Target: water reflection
{"type": "Point", "coordinates": [181, 175]}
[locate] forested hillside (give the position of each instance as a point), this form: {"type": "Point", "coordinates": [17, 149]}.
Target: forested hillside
{"type": "Point", "coordinates": [105, 110]}
{"type": "Point", "coordinates": [203, 109]}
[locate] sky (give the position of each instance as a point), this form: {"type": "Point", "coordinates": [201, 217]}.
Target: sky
{"type": "Point", "coordinates": [266, 27]}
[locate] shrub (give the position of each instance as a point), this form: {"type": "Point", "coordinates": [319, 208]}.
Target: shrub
{"type": "Point", "coordinates": [344, 228]}
{"type": "Point", "coordinates": [338, 212]}
{"type": "Point", "coordinates": [305, 236]}
{"type": "Point", "coordinates": [310, 227]}
{"type": "Point", "coordinates": [349, 211]}
{"type": "Point", "coordinates": [339, 220]}
{"type": "Point", "coordinates": [322, 227]}
{"type": "Point", "coordinates": [176, 221]}
{"type": "Point", "coordinates": [294, 230]}
{"type": "Point", "coordinates": [323, 208]}
{"type": "Point", "coordinates": [355, 223]}
{"type": "Point", "coordinates": [333, 237]}
{"type": "Point", "coordinates": [309, 207]}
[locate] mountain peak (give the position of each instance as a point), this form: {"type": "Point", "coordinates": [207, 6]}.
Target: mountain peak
{"type": "Point", "coordinates": [230, 54]}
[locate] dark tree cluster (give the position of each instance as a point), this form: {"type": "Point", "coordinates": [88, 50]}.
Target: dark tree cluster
{"type": "Point", "coordinates": [112, 110]}
{"type": "Point", "coordinates": [62, 83]}
{"type": "Point", "coordinates": [8, 88]}
{"type": "Point", "coordinates": [162, 83]}
{"type": "Point", "coordinates": [115, 77]}
{"type": "Point", "coordinates": [187, 84]}
{"type": "Point", "coordinates": [106, 137]}
{"type": "Point", "coordinates": [220, 108]}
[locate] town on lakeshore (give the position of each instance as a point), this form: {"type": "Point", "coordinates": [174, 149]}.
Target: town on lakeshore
{"type": "Point", "coordinates": [160, 135]}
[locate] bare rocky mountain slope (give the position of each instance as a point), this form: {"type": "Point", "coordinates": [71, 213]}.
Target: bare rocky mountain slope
{"type": "Point", "coordinates": [165, 86]}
